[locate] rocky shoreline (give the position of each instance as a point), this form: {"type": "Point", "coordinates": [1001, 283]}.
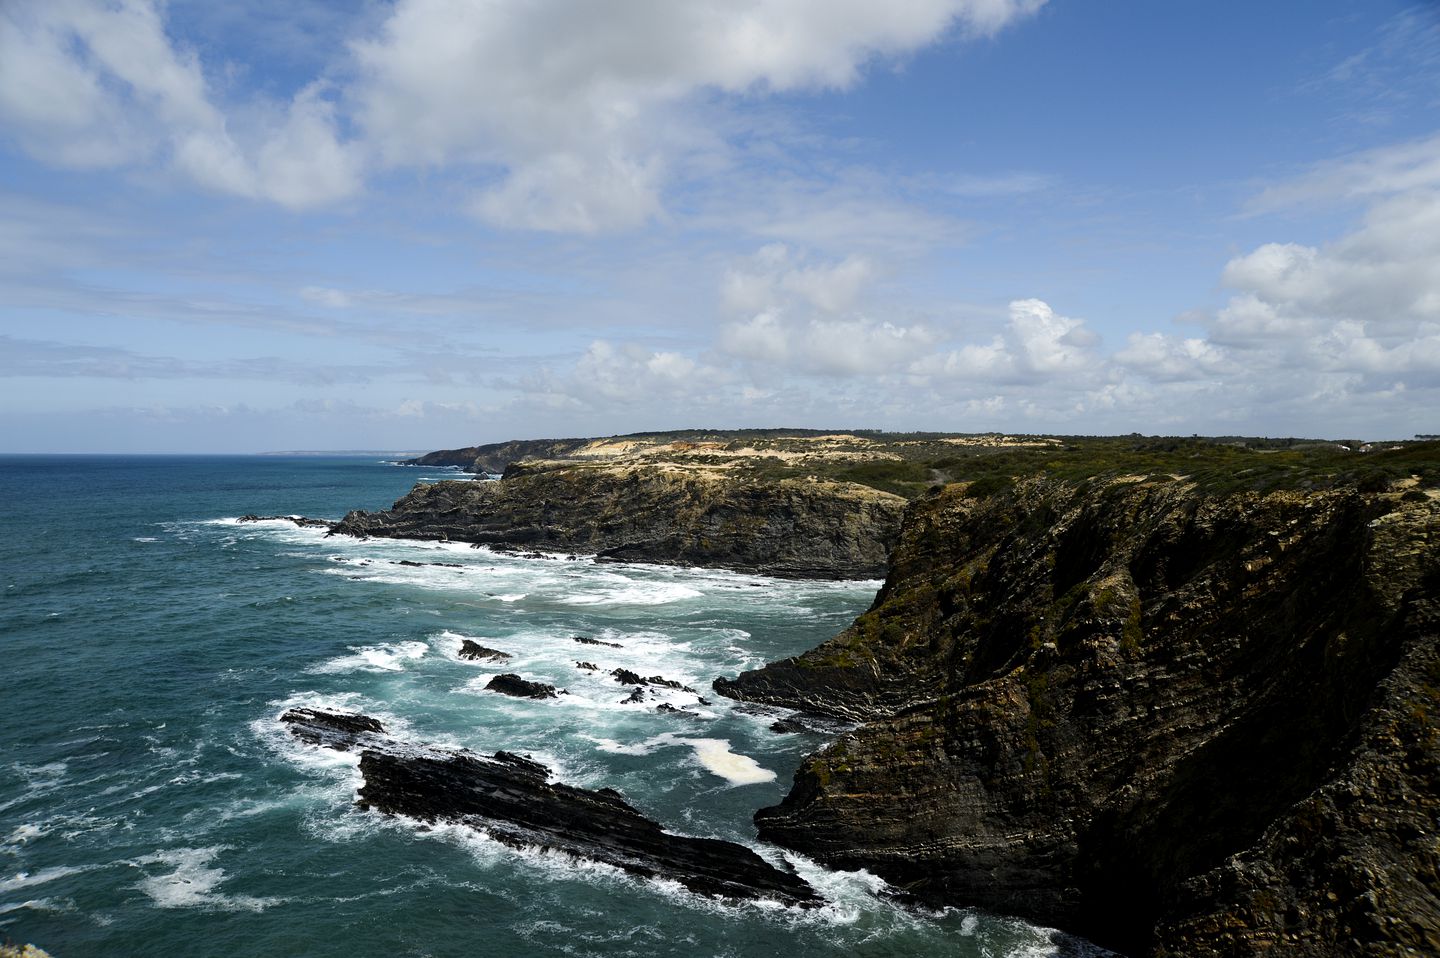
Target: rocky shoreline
{"type": "Point", "coordinates": [656, 513]}
{"type": "Point", "coordinates": [512, 799]}
{"type": "Point", "coordinates": [1181, 697]}
{"type": "Point", "coordinates": [1177, 723]}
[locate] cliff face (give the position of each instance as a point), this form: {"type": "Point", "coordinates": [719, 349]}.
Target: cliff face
{"type": "Point", "coordinates": [657, 513]}
{"type": "Point", "coordinates": [1177, 723]}
{"type": "Point", "coordinates": [495, 457]}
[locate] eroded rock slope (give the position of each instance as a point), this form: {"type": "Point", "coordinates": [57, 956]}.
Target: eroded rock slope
{"type": "Point", "coordinates": [1179, 723]}
{"type": "Point", "coordinates": [657, 512]}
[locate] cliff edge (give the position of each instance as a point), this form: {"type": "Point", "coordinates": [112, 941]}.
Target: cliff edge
{"type": "Point", "coordinates": [665, 512]}
{"type": "Point", "coordinates": [1174, 719]}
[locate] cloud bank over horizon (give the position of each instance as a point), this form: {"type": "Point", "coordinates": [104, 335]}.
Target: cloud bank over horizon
{"type": "Point", "coordinates": [429, 223]}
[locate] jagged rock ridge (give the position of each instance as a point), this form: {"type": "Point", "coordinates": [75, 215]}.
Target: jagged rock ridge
{"type": "Point", "coordinates": [1178, 723]}
{"type": "Point", "coordinates": [511, 798]}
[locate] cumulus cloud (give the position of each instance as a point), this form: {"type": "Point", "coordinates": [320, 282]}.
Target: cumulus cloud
{"type": "Point", "coordinates": [1037, 345]}
{"type": "Point", "coordinates": [1360, 314]}
{"type": "Point", "coordinates": [1163, 358]}
{"type": "Point", "coordinates": [95, 85]}
{"type": "Point", "coordinates": [567, 115]}
{"type": "Point", "coordinates": [610, 375]}
{"type": "Point", "coordinates": [805, 315]}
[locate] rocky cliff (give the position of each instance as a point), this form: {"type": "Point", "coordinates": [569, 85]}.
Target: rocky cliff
{"type": "Point", "coordinates": [493, 458]}
{"type": "Point", "coordinates": [1177, 721]}
{"type": "Point", "coordinates": [657, 512]}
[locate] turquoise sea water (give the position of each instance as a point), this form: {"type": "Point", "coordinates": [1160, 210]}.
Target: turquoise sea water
{"type": "Point", "coordinates": [151, 803]}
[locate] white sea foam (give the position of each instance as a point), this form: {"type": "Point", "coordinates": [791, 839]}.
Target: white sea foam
{"type": "Point", "coordinates": [39, 780]}
{"type": "Point", "coordinates": [23, 834]}
{"type": "Point", "coordinates": [146, 539]}
{"type": "Point", "coordinates": [27, 879]}
{"type": "Point", "coordinates": [192, 882]}
{"type": "Point", "coordinates": [635, 593]}
{"type": "Point", "coordinates": [713, 753]}
{"type": "Point", "coordinates": [375, 658]}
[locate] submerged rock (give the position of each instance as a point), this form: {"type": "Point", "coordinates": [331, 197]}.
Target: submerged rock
{"type": "Point", "coordinates": [511, 684]}
{"type": "Point", "coordinates": [470, 649]}
{"type": "Point", "coordinates": [511, 799]}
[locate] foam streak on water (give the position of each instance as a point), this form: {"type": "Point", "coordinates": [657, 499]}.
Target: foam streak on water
{"type": "Point", "coordinates": [151, 802]}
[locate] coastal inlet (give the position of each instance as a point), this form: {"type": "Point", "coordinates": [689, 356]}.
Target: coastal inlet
{"type": "Point", "coordinates": [152, 800]}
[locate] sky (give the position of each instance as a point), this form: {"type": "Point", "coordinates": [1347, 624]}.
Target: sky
{"type": "Point", "coordinates": [420, 224]}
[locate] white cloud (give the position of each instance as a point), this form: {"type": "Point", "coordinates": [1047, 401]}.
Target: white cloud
{"type": "Point", "coordinates": [1413, 164]}
{"type": "Point", "coordinates": [763, 337]}
{"type": "Point", "coordinates": [567, 115]}
{"type": "Point", "coordinates": [1171, 359]}
{"type": "Point", "coordinates": [805, 315]}
{"type": "Point", "coordinates": [1037, 345]}
{"type": "Point", "coordinates": [608, 375]}
{"type": "Point", "coordinates": [90, 84]}
{"type": "Point", "coordinates": [1355, 314]}
{"type": "Point", "coordinates": [862, 346]}
{"type": "Point", "coordinates": [777, 274]}
{"type": "Point", "coordinates": [325, 296]}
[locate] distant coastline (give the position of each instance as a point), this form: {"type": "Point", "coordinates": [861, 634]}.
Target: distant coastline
{"type": "Point", "coordinates": [383, 453]}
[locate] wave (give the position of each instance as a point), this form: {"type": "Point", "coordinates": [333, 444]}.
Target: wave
{"type": "Point", "coordinates": [385, 657]}
{"type": "Point", "coordinates": [44, 875]}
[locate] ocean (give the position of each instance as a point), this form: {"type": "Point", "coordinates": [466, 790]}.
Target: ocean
{"type": "Point", "coordinates": [151, 803]}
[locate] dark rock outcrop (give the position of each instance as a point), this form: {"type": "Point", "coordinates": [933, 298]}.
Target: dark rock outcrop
{"type": "Point", "coordinates": [626, 677]}
{"type": "Point", "coordinates": [300, 521]}
{"type": "Point", "coordinates": [511, 799]}
{"type": "Point", "coordinates": [337, 730]}
{"type": "Point", "coordinates": [1181, 724]}
{"type": "Point", "coordinates": [511, 684]}
{"type": "Point", "coordinates": [583, 640]}
{"type": "Point", "coordinates": [657, 512]}
{"type": "Point", "coordinates": [470, 649]}
{"type": "Point", "coordinates": [494, 458]}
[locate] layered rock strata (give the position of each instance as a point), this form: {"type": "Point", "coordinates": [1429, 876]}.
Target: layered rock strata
{"type": "Point", "coordinates": [1179, 723]}
{"type": "Point", "coordinates": [657, 513]}
{"type": "Point", "coordinates": [511, 799]}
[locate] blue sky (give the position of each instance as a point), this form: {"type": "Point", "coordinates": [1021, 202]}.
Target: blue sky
{"type": "Point", "coordinates": [428, 223]}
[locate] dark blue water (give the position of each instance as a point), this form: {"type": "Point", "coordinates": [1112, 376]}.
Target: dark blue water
{"type": "Point", "coordinates": [151, 803]}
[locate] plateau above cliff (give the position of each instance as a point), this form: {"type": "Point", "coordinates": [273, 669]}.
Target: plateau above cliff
{"type": "Point", "coordinates": [1177, 715]}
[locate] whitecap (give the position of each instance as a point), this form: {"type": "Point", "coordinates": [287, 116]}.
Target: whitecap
{"type": "Point", "coordinates": [635, 593]}
{"type": "Point", "coordinates": [193, 881]}
{"type": "Point", "coordinates": [23, 834]}
{"type": "Point", "coordinates": [375, 658]}
{"type": "Point", "coordinates": [27, 879]}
